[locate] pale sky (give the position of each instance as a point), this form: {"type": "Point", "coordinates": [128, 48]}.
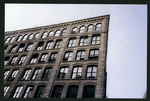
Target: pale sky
{"type": "Point", "coordinates": [127, 38]}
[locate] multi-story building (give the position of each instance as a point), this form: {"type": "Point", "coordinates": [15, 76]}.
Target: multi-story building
{"type": "Point", "coordinates": [66, 60]}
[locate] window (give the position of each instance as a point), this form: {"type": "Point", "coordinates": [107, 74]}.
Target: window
{"type": "Point", "coordinates": [91, 72]}
{"type": "Point", "coordinates": [98, 26]}
{"type": "Point", "coordinates": [82, 29]}
{"type": "Point", "coordinates": [67, 56]}
{"type": "Point", "coordinates": [77, 72]}
{"type": "Point", "coordinates": [72, 91]}
{"type": "Point", "coordinates": [39, 92]}
{"type": "Point", "coordinates": [50, 34]}
{"type": "Point", "coordinates": [95, 39]}
{"type": "Point", "coordinates": [36, 35]}
{"type": "Point", "coordinates": [7, 40]}
{"type": "Point", "coordinates": [83, 40]}
{"type": "Point", "coordinates": [6, 74]}
{"type": "Point", "coordinates": [57, 33]}
{"type": "Point", "coordinates": [19, 38]}
{"type": "Point", "coordinates": [36, 74]}
{"type": "Point", "coordinates": [29, 46]}
{"type": "Point", "coordinates": [26, 74]}
{"type": "Point", "coordinates": [89, 91]}
{"type": "Point", "coordinates": [93, 54]}
{"type": "Point", "coordinates": [64, 32]}
{"type": "Point", "coordinates": [46, 73]}
{"type": "Point", "coordinates": [21, 47]}
{"type": "Point", "coordinates": [58, 43]}
{"type": "Point", "coordinates": [40, 45]}
{"type": "Point", "coordinates": [53, 57]}
{"type": "Point", "coordinates": [14, 59]}
{"type": "Point", "coordinates": [57, 91]}
{"type": "Point", "coordinates": [13, 49]}
{"type": "Point", "coordinates": [43, 57]}
{"type": "Point", "coordinates": [44, 35]}
{"type": "Point", "coordinates": [17, 91]}
{"type": "Point", "coordinates": [90, 28]}
{"type": "Point", "coordinates": [12, 39]}
{"type": "Point", "coordinates": [63, 72]}
{"type": "Point", "coordinates": [6, 60]}
{"type": "Point", "coordinates": [49, 45]}
{"type": "Point", "coordinates": [31, 36]}
{"type": "Point", "coordinates": [34, 58]}
{"type": "Point", "coordinates": [25, 37]}
{"type": "Point", "coordinates": [28, 92]}
{"type": "Point", "coordinates": [74, 30]}
{"type": "Point", "coordinates": [80, 55]}
{"type": "Point", "coordinates": [6, 88]}
{"type": "Point", "coordinates": [72, 42]}
{"type": "Point", "coordinates": [22, 59]}
{"type": "Point", "coordinates": [13, 75]}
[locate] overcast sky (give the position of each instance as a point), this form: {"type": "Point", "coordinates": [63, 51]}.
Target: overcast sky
{"type": "Point", "coordinates": [127, 39]}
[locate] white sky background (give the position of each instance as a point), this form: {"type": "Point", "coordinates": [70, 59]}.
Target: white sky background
{"type": "Point", "coordinates": [127, 40]}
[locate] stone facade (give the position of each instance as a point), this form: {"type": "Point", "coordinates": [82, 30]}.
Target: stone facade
{"type": "Point", "coordinates": [99, 81]}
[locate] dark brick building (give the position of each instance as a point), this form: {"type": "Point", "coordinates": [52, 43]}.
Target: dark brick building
{"type": "Point", "coordinates": [66, 60]}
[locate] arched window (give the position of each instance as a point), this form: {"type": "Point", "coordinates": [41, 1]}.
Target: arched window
{"type": "Point", "coordinates": [91, 71]}
{"type": "Point", "coordinates": [74, 30]}
{"type": "Point", "coordinates": [44, 35]}
{"type": "Point", "coordinates": [53, 56]}
{"type": "Point", "coordinates": [28, 91]}
{"type": "Point", "coordinates": [63, 72]}
{"type": "Point", "coordinates": [25, 37]}
{"type": "Point", "coordinates": [57, 33]}
{"type": "Point", "coordinates": [57, 91]}
{"type": "Point", "coordinates": [64, 31]}
{"type": "Point", "coordinates": [90, 28]}
{"type": "Point", "coordinates": [7, 40]}
{"type": "Point", "coordinates": [68, 56]}
{"type": "Point", "coordinates": [93, 53]}
{"type": "Point", "coordinates": [39, 92]}
{"type": "Point", "coordinates": [31, 36]}
{"type": "Point", "coordinates": [72, 91]}
{"type": "Point", "coordinates": [12, 39]}
{"type": "Point", "coordinates": [82, 28]}
{"type": "Point", "coordinates": [36, 35]}
{"type": "Point", "coordinates": [19, 38]}
{"type": "Point", "coordinates": [98, 26]}
{"type": "Point", "coordinates": [50, 34]}
{"type": "Point", "coordinates": [89, 91]}
{"type": "Point", "coordinates": [76, 73]}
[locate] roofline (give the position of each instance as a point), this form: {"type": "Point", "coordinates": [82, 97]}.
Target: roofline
{"type": "Point", "coordinates": [58, 23]}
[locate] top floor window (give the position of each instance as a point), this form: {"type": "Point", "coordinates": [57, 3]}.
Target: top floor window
{"type": "Point", "coordinates": [25, 37]}
{"type": "Point", "coordinates": [7, 40]}
{"type": "Point", "coordinates": [98, 27]}
{"type": "Point", "coordinates": [74, 30]}
{"type": "Point", "coordinates": [57, 33]}
{"type": "Point", "coordinates": [64, 32]}
{"type": "Point", "coordinates": [36, 35]}
{"type": "Point", "coordinates": [31, 36]}
{"type": "Point", "coordinates": [82, 29]}
{"type": "Point", "coordinates": [12, 39]}
{"type": "Point", "coordinates": [50, 34]}
{"type": "Point", "coordinates": [90, 28]}
{"type": "Point", "coordinates": [19, 38]}
{"type": "Point", "coordinates": [44, 35]}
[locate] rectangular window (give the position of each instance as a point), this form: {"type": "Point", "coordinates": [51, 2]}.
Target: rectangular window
{"type": "Point", "coordinates": [13, 75]}
{"type": "Point", "coordinates": [22, 59]}
{"type": "Point", "coordinates": [93, 54]}
{"type": "Point", "coordinates": [77, 72]}
{"type": "Point", "coordinates": [14, 59]}
{"type": "Point", "coordinates": [6, 60]}
{"type": "Point", "coordinates": [29, 47]}
{"type": "Point", "coordinates": [26, 74]}
{"type": "Point", "coordinates": [63, 73]}
{"type": "Point", "coordinates": [83, 41]}
{"type": "Point", "coordinates": [34, 58]}
{"type": "Point", "coordinates": [6, 74]}
{"type": "Point", "coordinates": [96, 39]}
{"type": "Point", "coordinates": [71, 42]}
{"type": "Point", "coordinates": [17, 91]}
{"type": "Point", "coordinates": [21, 47]}
{"type": "Point", "coordinates": [58, 43]}
{"type": "Point", "coordinates": [13, 49]}
{"type": "Point", "coordinates": [80, 55]}
{"type": "Point", "coordinates": [91, 72]}
{"type": "Point", "coordinates": [46, 73]}
{"type": "Point", "coordinates": [28, 92]}
{"type": "Point", "coordinates": [6, 88]}
{"type": "Point", "coordinates": [36, 74]}
{"type": "Point", "coordinates": [49, 45]}
{"type": "Point", "coordinates": [39, 92]}
{"type": "Point", "coordinates": [68, 56]}
{"type": "Point", "coordinates": [53, 57]}
{"type": "Point", "coordinates": [40, 45]}
{"type": "Point", "coordinates": [57, 91]}
{"type": "Point", "coordinates": [43, 58]}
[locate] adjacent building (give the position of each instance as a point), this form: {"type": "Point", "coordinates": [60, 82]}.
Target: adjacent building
{"type": "Point", "coordinates": [66, 60]}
